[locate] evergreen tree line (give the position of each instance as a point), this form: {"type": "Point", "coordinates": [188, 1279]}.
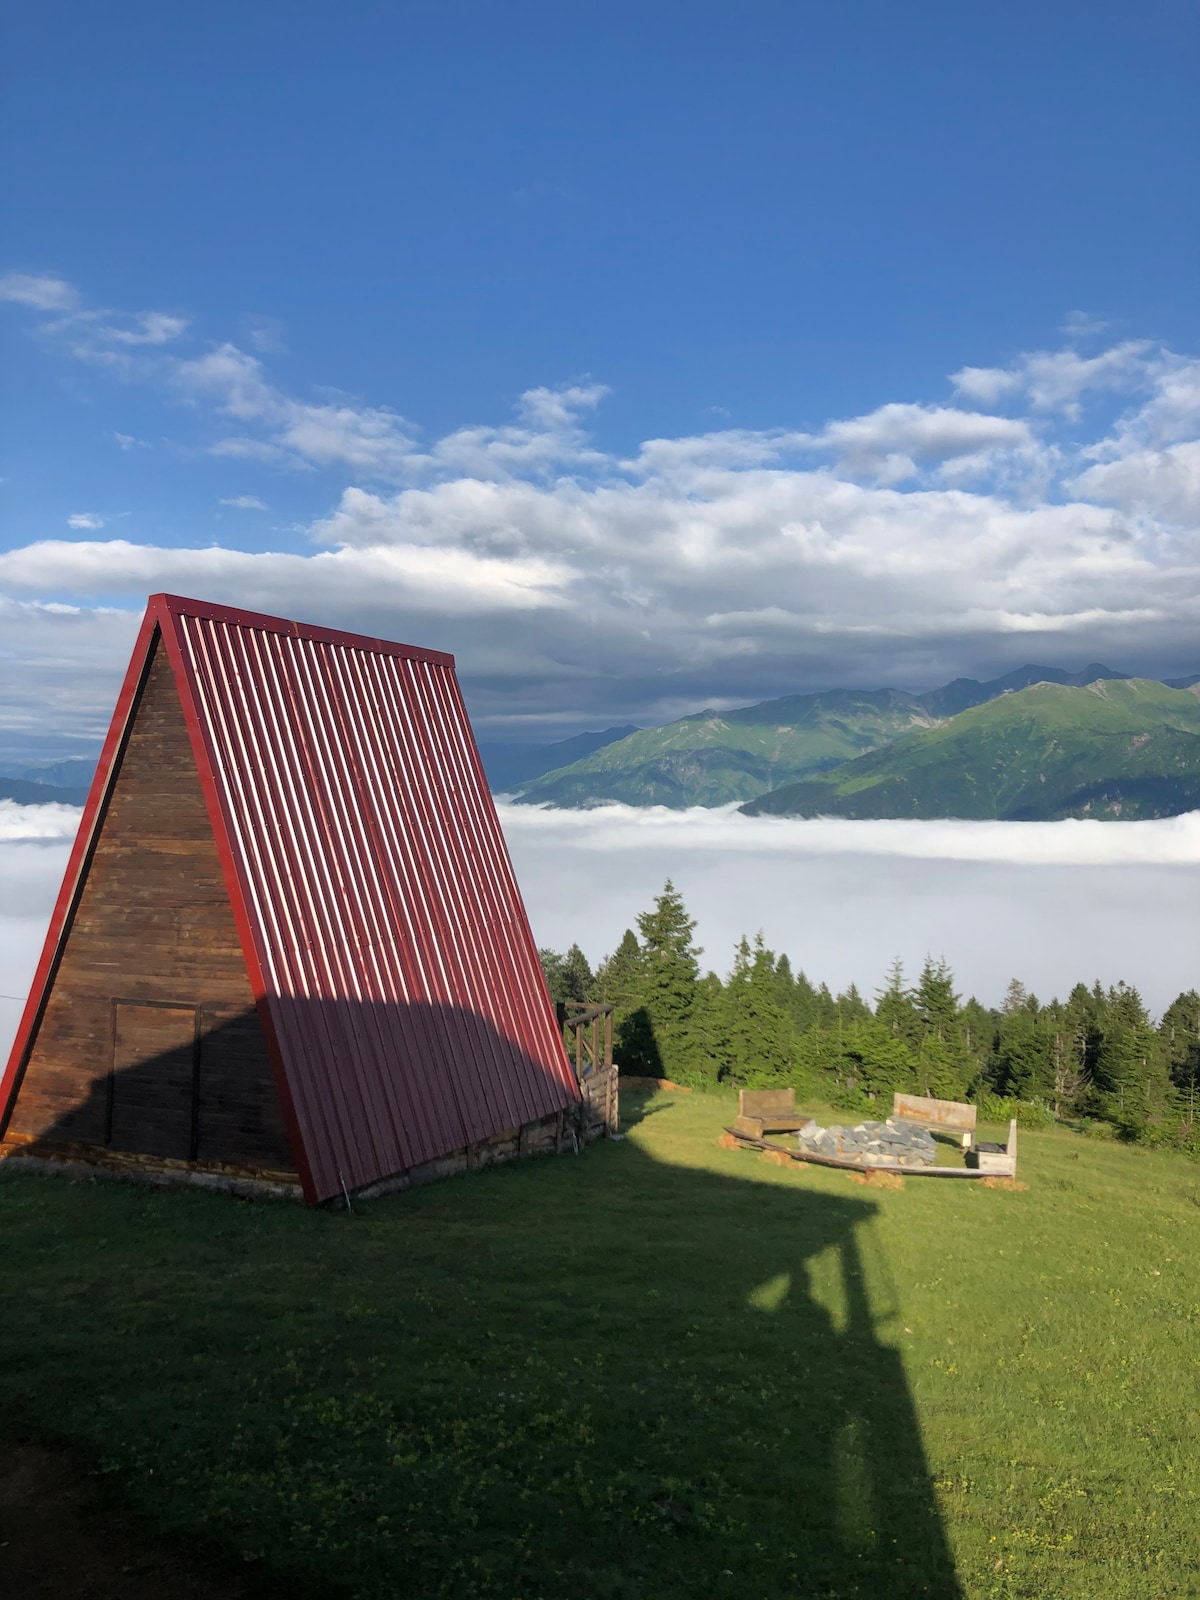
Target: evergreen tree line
{"type": "Point", "coordinates": [1096, 1055]}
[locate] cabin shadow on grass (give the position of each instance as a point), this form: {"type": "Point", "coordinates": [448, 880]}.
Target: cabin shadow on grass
{"type": "Point", "coordinates": [804, 1412]}
{"type": "Point", "coordinates": [609, 1376]}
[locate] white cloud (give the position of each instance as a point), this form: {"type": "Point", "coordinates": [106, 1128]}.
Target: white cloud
{"type": "Point", "coordinates": [1174, 841]}
{"type": "Point", "coordinates": [1159, 483]}
{"type": "Point", "coordinates": [1150, 463]}
{"type": "Point", "coordinates": [447, 580]}
{"type": "Point", "coordinates": [245, 502]}
{"type": "Point", "coordinates": [889, 442]}
{"type": "Point", "coordinates": [20, 823]}
{"type": "Point", "coordinates": [33, 858]}
{"type": "Point", "coordinates": [61, 666]}
{"type": "Point", "coordinates": [120, 340]}
{"type": "Point", "coordinates": [378, 442]}
{"type": "Point", "coordinates": [1056, 380]}
{"type": "Point", "coordinates": [371, 440]}
{"type": "Point", "coordinates": [1061, 902]}
{"type": "Point", "coordinates": [281, 430]}
{"type": "Point", "coordinates": [905, 546]}
{"type": "Point", "coordinates": [127, 441]}
{"type": "Point", "coordinates": [1084, 325]}
{"type": "Point", "coordinates": [85, 519]}
{"type": "Point", "coordinates": [40, 293]}
{"type": "Point", "coordinates": [1065, 901]}
{"type": "Point", "coordinates": [1170, 415]}
{"type": "Point", "coordinates": [648, 588]}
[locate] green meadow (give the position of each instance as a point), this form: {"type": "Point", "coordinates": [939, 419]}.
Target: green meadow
{"type": "Point", "coordinates": [657, 1369]}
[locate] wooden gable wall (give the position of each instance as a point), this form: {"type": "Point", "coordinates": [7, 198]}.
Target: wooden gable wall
{"type": "Point", "coordinates": [149, 1041]}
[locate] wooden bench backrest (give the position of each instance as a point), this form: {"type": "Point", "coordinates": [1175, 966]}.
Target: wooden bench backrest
{"type": "Point", "coordinates": [766, 1102]}
{"type": "Point", "coordinates": [928, 1113]}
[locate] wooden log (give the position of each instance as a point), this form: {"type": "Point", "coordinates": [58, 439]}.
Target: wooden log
{"type": "Point", "coordinates": [844, 1164]}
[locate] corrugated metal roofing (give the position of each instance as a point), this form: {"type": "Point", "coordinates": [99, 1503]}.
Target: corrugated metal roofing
{"type": "Point", "coordinates": [388, 947]}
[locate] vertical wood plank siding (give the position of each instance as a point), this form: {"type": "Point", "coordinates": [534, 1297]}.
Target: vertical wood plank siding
{"type": "Point", "coordinates": [396, 961]}
{"type": "Point", "coordinates": [151, 989]}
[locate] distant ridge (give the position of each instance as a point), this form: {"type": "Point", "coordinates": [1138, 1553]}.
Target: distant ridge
{"type": "Point", "coordinates": [40, 794]}
{"type": "Point", "coordinates": [964, 693]}
{"type": "Point", "coordinates": [709, 758]}
{"type": "Point", "coordinates": [73, 773]}
{"type": "Point", "coordinates": [714, 757]}
{"type": "Point", "coordinates": [508, 766]}
{"type": "Point", "coordinates": [1126, 748]}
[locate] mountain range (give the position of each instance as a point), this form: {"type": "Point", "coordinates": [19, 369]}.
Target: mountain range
{"type": "Point", "coordinates": [65, 782]}
{"type": "Point", "coordinates": [508, 766]}
{"type": "Point", "coordinates": [1125, 748]}
{"type": "Point", "coordinates": [1037, 742]}
{"type": "Point", "coordinates": [714, 757]}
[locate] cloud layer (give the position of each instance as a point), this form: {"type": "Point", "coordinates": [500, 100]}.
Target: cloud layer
{"type": "Point", "coordinates": [1050, 903]}
{"type": "Point", "coordinates": [1050, 510]}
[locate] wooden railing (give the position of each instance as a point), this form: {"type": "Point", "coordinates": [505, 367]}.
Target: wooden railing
{"type": "Point", "coordinates": [591, 1049]}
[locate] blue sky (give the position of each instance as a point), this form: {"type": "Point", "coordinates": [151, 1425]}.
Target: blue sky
{"type": "Point", "coordinates": [367, 313]}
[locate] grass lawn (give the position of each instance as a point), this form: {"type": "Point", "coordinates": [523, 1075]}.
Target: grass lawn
{"type": "Point", "coordinates": [660, 1369]}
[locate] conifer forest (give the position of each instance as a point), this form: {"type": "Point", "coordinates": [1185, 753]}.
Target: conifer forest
{"type": "Point", "coordinates": [1096, 1059]}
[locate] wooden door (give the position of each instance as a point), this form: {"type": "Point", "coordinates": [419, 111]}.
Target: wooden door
{"type": "Point", "coordinates": [153, 1088]}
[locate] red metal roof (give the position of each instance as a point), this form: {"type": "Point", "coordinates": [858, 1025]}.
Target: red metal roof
{"type": "Point", "coordinates": [388, 947]}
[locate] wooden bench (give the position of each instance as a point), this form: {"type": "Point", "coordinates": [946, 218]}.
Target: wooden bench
{"type": "Point", "coordinates": [944, 1116]}
{"type": "Point", "coordinates": [1000, 1160]}
{"type": "Point", "coordinates": [767, 1111]}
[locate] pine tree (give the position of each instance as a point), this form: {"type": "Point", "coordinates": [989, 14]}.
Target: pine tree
{"type": "Point", "coordinates": [1179, 1033]}
{"type": "Point", "coordinates": [852, 1009]}
{"type": "Point", "coordinates": [1081, 1018]}
{"type": "Point", "coordinates": [619, 983]}
{"type": "Point", "coordinates": [758, 1034]}
{"type": "Point", "coordinates": [803, 1004]}
{"type": "Point", "coordinates": [978, 1025]}
{"type": "Point", "coordinates": [825, 1007]}
{"type": "Point", "coordinates": [894, 1005]}
{"type": "Point", "coordinates": [618, 980]}
{"type": "Point", "coordinates": [1179, 1036]}
{"type": "Point", "coordinates": [939, 1075]}
{"type": "Point", "coordinates": [1069, 1081]}
{"type": "Point", "coordinates": [872, 1058]}
{"type": "Point", "coordinates": [1021, 1064]}
{"type": "Point", "coordinates": [1131, 1084]}
{"type": "Point", "coordinates": [554, 972]}
{"type": "Point", "coordinates": [709, 1028]}
{"type": "Point", "coordinates": [937, 1010]}
{"type": "Point", "coordinates": [669, 974]}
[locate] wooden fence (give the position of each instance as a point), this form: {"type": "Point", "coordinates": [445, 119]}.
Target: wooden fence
{"type": "Point", "coordinates": [589, 1035]}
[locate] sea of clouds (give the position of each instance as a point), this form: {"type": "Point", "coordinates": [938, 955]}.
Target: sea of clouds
{"type": "Point", "coordinates": [1050, 903]}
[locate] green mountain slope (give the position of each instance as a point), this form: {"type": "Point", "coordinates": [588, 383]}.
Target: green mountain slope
{"type": "Point", "coordinates": [1117, 748]}
{"type": "Point", "coordinates": [714, 757]}
{"type": "Point", "coordinates": [508, 766]}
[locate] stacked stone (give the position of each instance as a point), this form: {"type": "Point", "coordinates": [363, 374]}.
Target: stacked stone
{"type": "Point", "coordinates": [871, 1144]}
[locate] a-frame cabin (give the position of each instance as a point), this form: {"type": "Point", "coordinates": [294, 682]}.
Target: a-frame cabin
{"type": "Point", "coordinates": [289, 947]}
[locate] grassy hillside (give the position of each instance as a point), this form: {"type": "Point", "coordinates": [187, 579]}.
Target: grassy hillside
{"type": "Point", "coordinates": [1128, 749]}
{"type": "Point", "coordinates": [659, 1371]}
{"type": "Point", "coordinates": [712, 758]}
